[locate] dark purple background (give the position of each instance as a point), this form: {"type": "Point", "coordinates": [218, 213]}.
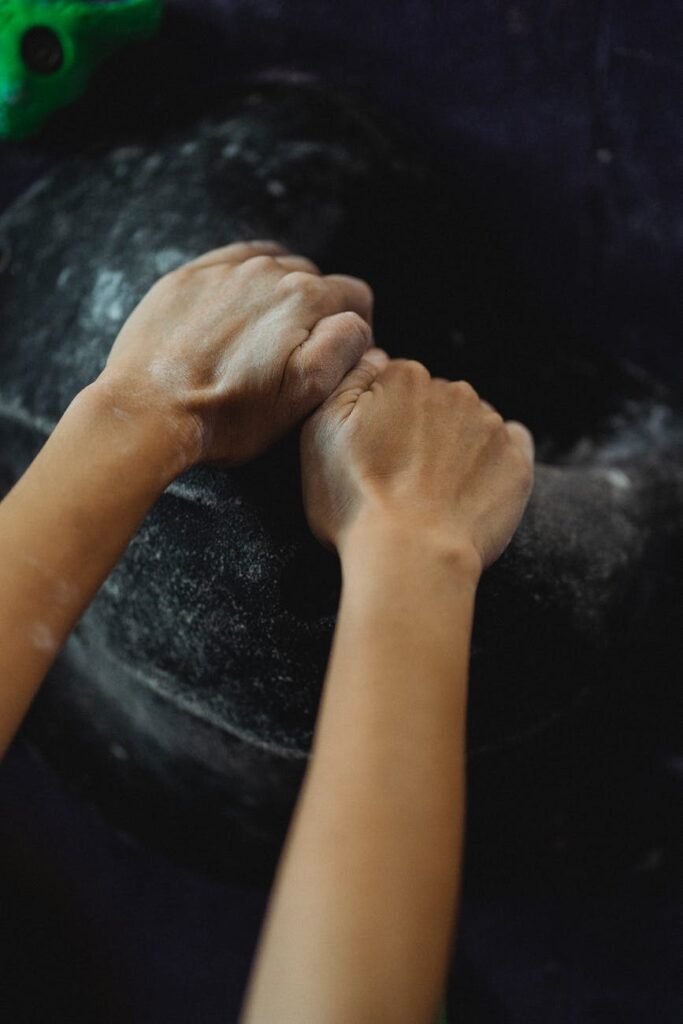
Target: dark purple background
{"type": "Point", "coordinates": [565, 113]}
{"type": "Point", "coordinates": [565, 119]}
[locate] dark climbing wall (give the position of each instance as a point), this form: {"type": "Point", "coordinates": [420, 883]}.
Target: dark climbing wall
{"type": "Point", "coordinates": [563, 114]}
{"type": "Point", "coordinates": [563, 120]}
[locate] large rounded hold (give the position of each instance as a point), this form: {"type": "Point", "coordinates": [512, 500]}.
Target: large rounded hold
{"type": "Point", "coordinates": [186, 697]}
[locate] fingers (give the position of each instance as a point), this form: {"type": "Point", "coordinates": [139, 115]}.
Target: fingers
{"type": "Point", "coordinates": [363, 375]}
{"type": "Point", "coordinates": [522, 437]}
{"type": "Point", "coordinates": [359, 378]}
{"type": "Point", "coordinates": [239, 252]}
{"type": "Point", "coordinates": [406, 373]}
{"type": "Point", "coordinates": [299, 263]}
{"type": "Point", "coordinates": [316, 297]}
{"type": "Point", "coordinates": [323, 295]}
{"type": "Point", "coordinates": [377, 356]}
{"type": "Point", "coordinates": [317, 367]}
{"type": "Point", "coordinates": [349, 294]}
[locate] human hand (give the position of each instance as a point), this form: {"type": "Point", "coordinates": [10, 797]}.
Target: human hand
{"type": "Point", "coordinates": [393, 446]}
{"type": "Point", "coordinates": [237, 346]}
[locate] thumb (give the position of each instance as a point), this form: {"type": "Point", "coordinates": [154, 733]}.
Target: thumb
{"type": "Point", "coordinates": [318, 366]}
{"type": "Point", "coordinates": [363, 375]}
{"type": "Point", "coordinates": [377, 356]}
{"type": "Point", "coordinates": [341, 402]}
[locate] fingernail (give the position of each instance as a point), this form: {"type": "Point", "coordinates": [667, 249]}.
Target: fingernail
{"type": "Point", "coordinates": [377, 356]}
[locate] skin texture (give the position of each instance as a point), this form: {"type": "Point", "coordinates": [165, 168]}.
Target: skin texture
{"type": "Point", "coordinates": [246, 340]}
{"type": "Point", "coordinates": [219, 359]}
{"type": "Point", "coordinates": [415, 482]}
{"type": "Point", "coordinates": [398, 443]}
{"type": "Point", "coordinates": [420, 486]}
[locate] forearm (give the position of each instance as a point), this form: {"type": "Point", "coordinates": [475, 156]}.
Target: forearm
{"type": "Point", "coordinates": [360, 922]}
{"type": "Point", "coordinates": [64, 526]}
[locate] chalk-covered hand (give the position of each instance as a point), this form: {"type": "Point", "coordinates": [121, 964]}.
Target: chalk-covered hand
{"type": "Point", "coordinates": [393, 446]}
{"type": "Point", "coordinates": [236, 347]}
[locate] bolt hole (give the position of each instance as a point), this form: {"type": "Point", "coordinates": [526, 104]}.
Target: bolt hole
{"type": "Point", "coordinates": [42, 51]}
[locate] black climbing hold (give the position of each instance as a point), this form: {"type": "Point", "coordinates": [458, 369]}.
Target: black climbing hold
{"type": "Point", "coordinates": [203, 655]}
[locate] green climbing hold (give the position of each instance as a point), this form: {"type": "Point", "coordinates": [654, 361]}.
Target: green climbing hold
{"type": "Point", "coordinates": [49, 49]}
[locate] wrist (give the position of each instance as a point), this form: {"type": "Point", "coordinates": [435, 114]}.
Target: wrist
{"type": "Point", "coordinates": [377, 538]}
{"type": "Point", "coordinates": [147, 432]}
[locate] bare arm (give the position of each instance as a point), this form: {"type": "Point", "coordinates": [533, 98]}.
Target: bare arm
{"type": "Point", "coordinates": [64, 526]}
{"type": "Point", "coordinates": [364, 906]}
{"type": "Point", "coordinates": [219, 359]}
{"type": "Point", "coordinates": [407, 477]}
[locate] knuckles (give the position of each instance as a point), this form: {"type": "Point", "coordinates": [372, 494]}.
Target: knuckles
{"type": "Point", "coordinates": [175, 279]}
{"type": "Point", "coordinates": [369, 295]}
{"type": "Point", "coordinates": [412, 371]}
{"type": "Point", "coordinates": [494, 423]}
{"type": "Point", "coordinates": [525, 469]}
{"type": "Point", "coordinates": [463, 390]}
{"type": "Point", "coordinates": [349, 325]}
{"type": "Point", "coordinates": [259, 263]}
{"type": "Point", "coordinates": [302, 285]}
{"type": "Point", "coordinates": [316, 380]}
{"type": "Point", "coordinates": [365, 377]}
{"type": "Point", "coordinates": [307, 380]}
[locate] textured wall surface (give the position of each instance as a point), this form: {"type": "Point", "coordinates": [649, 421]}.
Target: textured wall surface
{"type": "Point", "coordinates": [201, 661]}
{"type": "Point", "coordinates": [561, 122]}
{"type": "Point", "coordinates": [564, 115]}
